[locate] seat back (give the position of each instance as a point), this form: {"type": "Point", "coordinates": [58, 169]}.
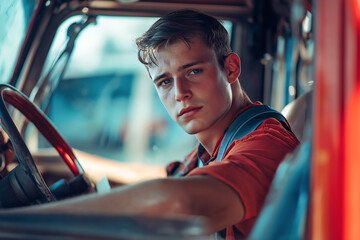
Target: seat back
{"type": "Point", "coordinates": [296, 113]}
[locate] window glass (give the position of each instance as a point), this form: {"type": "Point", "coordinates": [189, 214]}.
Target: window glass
{"type": "Point", "coordinates": [14, 18]}
{"type": "Point", "coordinates": [106, 103]}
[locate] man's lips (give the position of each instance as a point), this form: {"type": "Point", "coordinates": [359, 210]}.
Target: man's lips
{"type": "Point", "coordinates": [189, 111]}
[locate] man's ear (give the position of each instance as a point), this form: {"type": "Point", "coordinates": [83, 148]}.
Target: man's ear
{"type": "Point", "coordinates": [232, 67]}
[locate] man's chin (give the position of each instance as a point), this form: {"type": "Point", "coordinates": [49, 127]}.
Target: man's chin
{"type": "Point", "coordinates": [191, 129]}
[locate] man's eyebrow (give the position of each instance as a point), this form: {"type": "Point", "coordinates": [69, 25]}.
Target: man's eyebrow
{"type": "Point", "coordinates": [159, 77]}
{"type": "Point", "coordinates": [179, 69]}
{"type": "Point", "coordinates": [190, 64]}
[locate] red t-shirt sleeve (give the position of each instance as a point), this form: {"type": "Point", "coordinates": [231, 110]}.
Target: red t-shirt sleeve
{"type": "Point", "coordinates": [249, 165]}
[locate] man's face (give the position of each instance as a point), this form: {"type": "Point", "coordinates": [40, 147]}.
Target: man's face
{"type": "Point", "coordinates": [192, 86]}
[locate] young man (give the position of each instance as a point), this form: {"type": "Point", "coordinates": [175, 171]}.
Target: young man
{"type": "Point", "coordinates": [189, 59]}
{"type": "Point", "coordinates": [195, 73]}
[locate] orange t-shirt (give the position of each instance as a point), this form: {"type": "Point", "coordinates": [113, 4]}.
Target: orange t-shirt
{"type": "Point", "coordinates": [248, 166]}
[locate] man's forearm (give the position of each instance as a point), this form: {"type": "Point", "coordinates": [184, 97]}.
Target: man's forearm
{"type": "Point", "coordinates": [191, 196]}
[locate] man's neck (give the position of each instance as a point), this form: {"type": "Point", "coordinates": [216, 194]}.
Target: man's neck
{"type": "Point", "coordinates": [210, 137]}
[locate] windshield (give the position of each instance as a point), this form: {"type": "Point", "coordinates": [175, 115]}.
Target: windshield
{"type": "Point", "coordinates": [105, 102]}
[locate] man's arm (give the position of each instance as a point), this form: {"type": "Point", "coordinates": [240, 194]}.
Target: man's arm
{"type": "Point", "coordinates": [97, 167]}
{"type": "Point", "coordinates": [190, 196]}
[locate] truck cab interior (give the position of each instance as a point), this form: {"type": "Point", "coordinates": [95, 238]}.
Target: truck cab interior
{"type": "Point", "coordinates": [75, 99]}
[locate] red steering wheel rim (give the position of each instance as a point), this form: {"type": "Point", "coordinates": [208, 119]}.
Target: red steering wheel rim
{"type": "Point", "coordinates": [43, 124]}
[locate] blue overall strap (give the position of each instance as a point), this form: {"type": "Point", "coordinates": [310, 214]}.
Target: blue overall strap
{"type": "Point", "coordinates": [244, 124]}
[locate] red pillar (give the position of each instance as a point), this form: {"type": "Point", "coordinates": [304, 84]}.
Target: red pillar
{"type": "Point", "coordinates": [335, 184]}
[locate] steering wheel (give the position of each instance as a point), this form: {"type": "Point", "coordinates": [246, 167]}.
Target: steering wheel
{"type": "Point", "coordinates": [24, 184]}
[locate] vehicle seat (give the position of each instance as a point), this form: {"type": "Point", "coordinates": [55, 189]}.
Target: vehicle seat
{"type": "Point", "coordinates": [296, 113]}
{"type": "Point", "coordinates": [284, 213]}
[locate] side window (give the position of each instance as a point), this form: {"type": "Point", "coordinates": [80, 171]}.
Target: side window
{"type": "Point", "coordinates": [14, 18]}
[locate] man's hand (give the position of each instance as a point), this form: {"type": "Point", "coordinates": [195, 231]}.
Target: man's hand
{"type": "Point", "coordinates": [7, 153]}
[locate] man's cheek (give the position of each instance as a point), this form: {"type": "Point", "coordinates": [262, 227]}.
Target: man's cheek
{"type": "Point", "coordinates": [170, 110]}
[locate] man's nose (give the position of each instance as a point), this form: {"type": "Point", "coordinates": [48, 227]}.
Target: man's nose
{"type": "Point", "coordinates": [182, 89]}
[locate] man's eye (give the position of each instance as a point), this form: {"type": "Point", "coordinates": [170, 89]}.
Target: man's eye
{"type": "Point", "coordinates": [195, 71]}
{"type": "Point", "coordinates": [164, 82]}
